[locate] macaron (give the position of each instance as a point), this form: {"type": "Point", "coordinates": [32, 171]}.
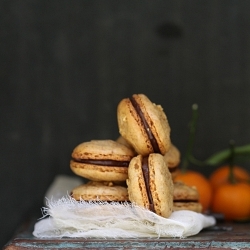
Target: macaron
{"type": "Point", "coordinates": [172, 158]}
{"type": "Point", "coordinates": [144, 125]}
{"type": "Point", "coordinates": [150, 184]}
{"type": "Point", "coordinates": [186, 198]}
{"type": "Point", "coordinates": [121, 140]}
{"type": "Point", "coordinates": [100, 191]}
{"type": "Point", "coordinates": [101, 160]}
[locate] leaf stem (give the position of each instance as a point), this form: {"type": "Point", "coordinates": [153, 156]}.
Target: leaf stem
{"type": "Point", "coordinates": [222, 156]}
{"type": "Point", "coordinates": [191, 138]}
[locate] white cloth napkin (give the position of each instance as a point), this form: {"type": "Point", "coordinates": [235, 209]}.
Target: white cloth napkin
{"type": "Point", "coordinates": [67, 217]}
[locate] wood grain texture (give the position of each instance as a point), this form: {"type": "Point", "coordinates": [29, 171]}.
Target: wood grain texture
{"type": "Point", "coordinates": [237, 237]}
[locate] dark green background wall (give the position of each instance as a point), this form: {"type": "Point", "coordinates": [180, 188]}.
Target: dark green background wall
{"type": "Point", "coordinates": [65, 65]}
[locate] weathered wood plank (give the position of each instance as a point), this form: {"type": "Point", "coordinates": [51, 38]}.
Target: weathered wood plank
{"type": "Point", "coordinates": [236, 238]}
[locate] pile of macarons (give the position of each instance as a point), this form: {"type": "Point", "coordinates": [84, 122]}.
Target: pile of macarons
{"type": "Point", "coordinates": [139, 166]}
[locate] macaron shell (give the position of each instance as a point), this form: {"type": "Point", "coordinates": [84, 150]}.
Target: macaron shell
{"type": "Point", "coordinates": [161, 185]}
{"type": "Point", "coordinates": [99, 173]}
{"type": "Point", "coordinates": [124, 142]}
{"type": "Point", "coordinates": [102, 149]}
{"type": "Point", "coordinates": [192, 206]}
{"type": "Point", "coordinates": [132, 129]}
{"type": "Point", "coordinates": [172, 156]}
{"type": "Point", "coordinates": [185, 192]}
{"type": "Point", "coordinates": [135, 182]}
{"type": "Point", "coordinates": [104, 191]}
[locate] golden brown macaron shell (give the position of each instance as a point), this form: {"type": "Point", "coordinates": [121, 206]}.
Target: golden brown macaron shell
{"type": "Point", "coordinates": [186, 198]}
{"type": "Point", "coordinates": [132, 128]}
{"type": "Point", "coordinates": [100, 191]}
{"type": "Point", "coordinates": [91, 160]}
{"type": "Point", "coordinates": [160, 184]}
{"type": "Point", "coordinates": [172, 158]}
{"type": "Point", "coordinates": [121, 140]}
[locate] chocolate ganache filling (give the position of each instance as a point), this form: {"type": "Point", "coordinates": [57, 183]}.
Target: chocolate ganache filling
{"type": "Point", "coordinates": [151, 137]}
{"type": "Point", "coordinates": [146, 177]}
{"type": "Point", "coordinates": [184, 201]}
{"type": "Point", "coordinates": [111, 163]}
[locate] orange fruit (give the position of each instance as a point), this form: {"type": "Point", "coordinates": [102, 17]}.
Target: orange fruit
{"type": "Point", "coordinates": [197, 179]}
{"type": "Point", "coordinates": [220, 175]}
{"type": "Point", "coordinates": [232, 200]}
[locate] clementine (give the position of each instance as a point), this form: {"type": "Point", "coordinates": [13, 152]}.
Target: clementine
{"type": "Point", "coordinates": [197, 179]}
{"type": "Point", "coordinates": [232, 200]}
{"type": "Point", "coordinates": [220, 175]}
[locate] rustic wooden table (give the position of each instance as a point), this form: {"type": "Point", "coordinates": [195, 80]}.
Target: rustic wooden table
{"type": "Point", "coordinates": [222, 236]}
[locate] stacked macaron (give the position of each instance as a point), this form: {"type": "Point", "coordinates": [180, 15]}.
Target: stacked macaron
{"type": "Point", "coordinates": [186, 198]}
{"type": "Point", "coordinates": [104, 163]}
{"type": "Point", "coordinates": [150, 184]}
{"type": "Point", "coordinates": [138, 167]}
{"type": "Point", "coordinates": [105, 191]}
{"type": "Point", "coordinates": [144, 126]}
{"type": "Point", "coordinates": [101, 160]}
